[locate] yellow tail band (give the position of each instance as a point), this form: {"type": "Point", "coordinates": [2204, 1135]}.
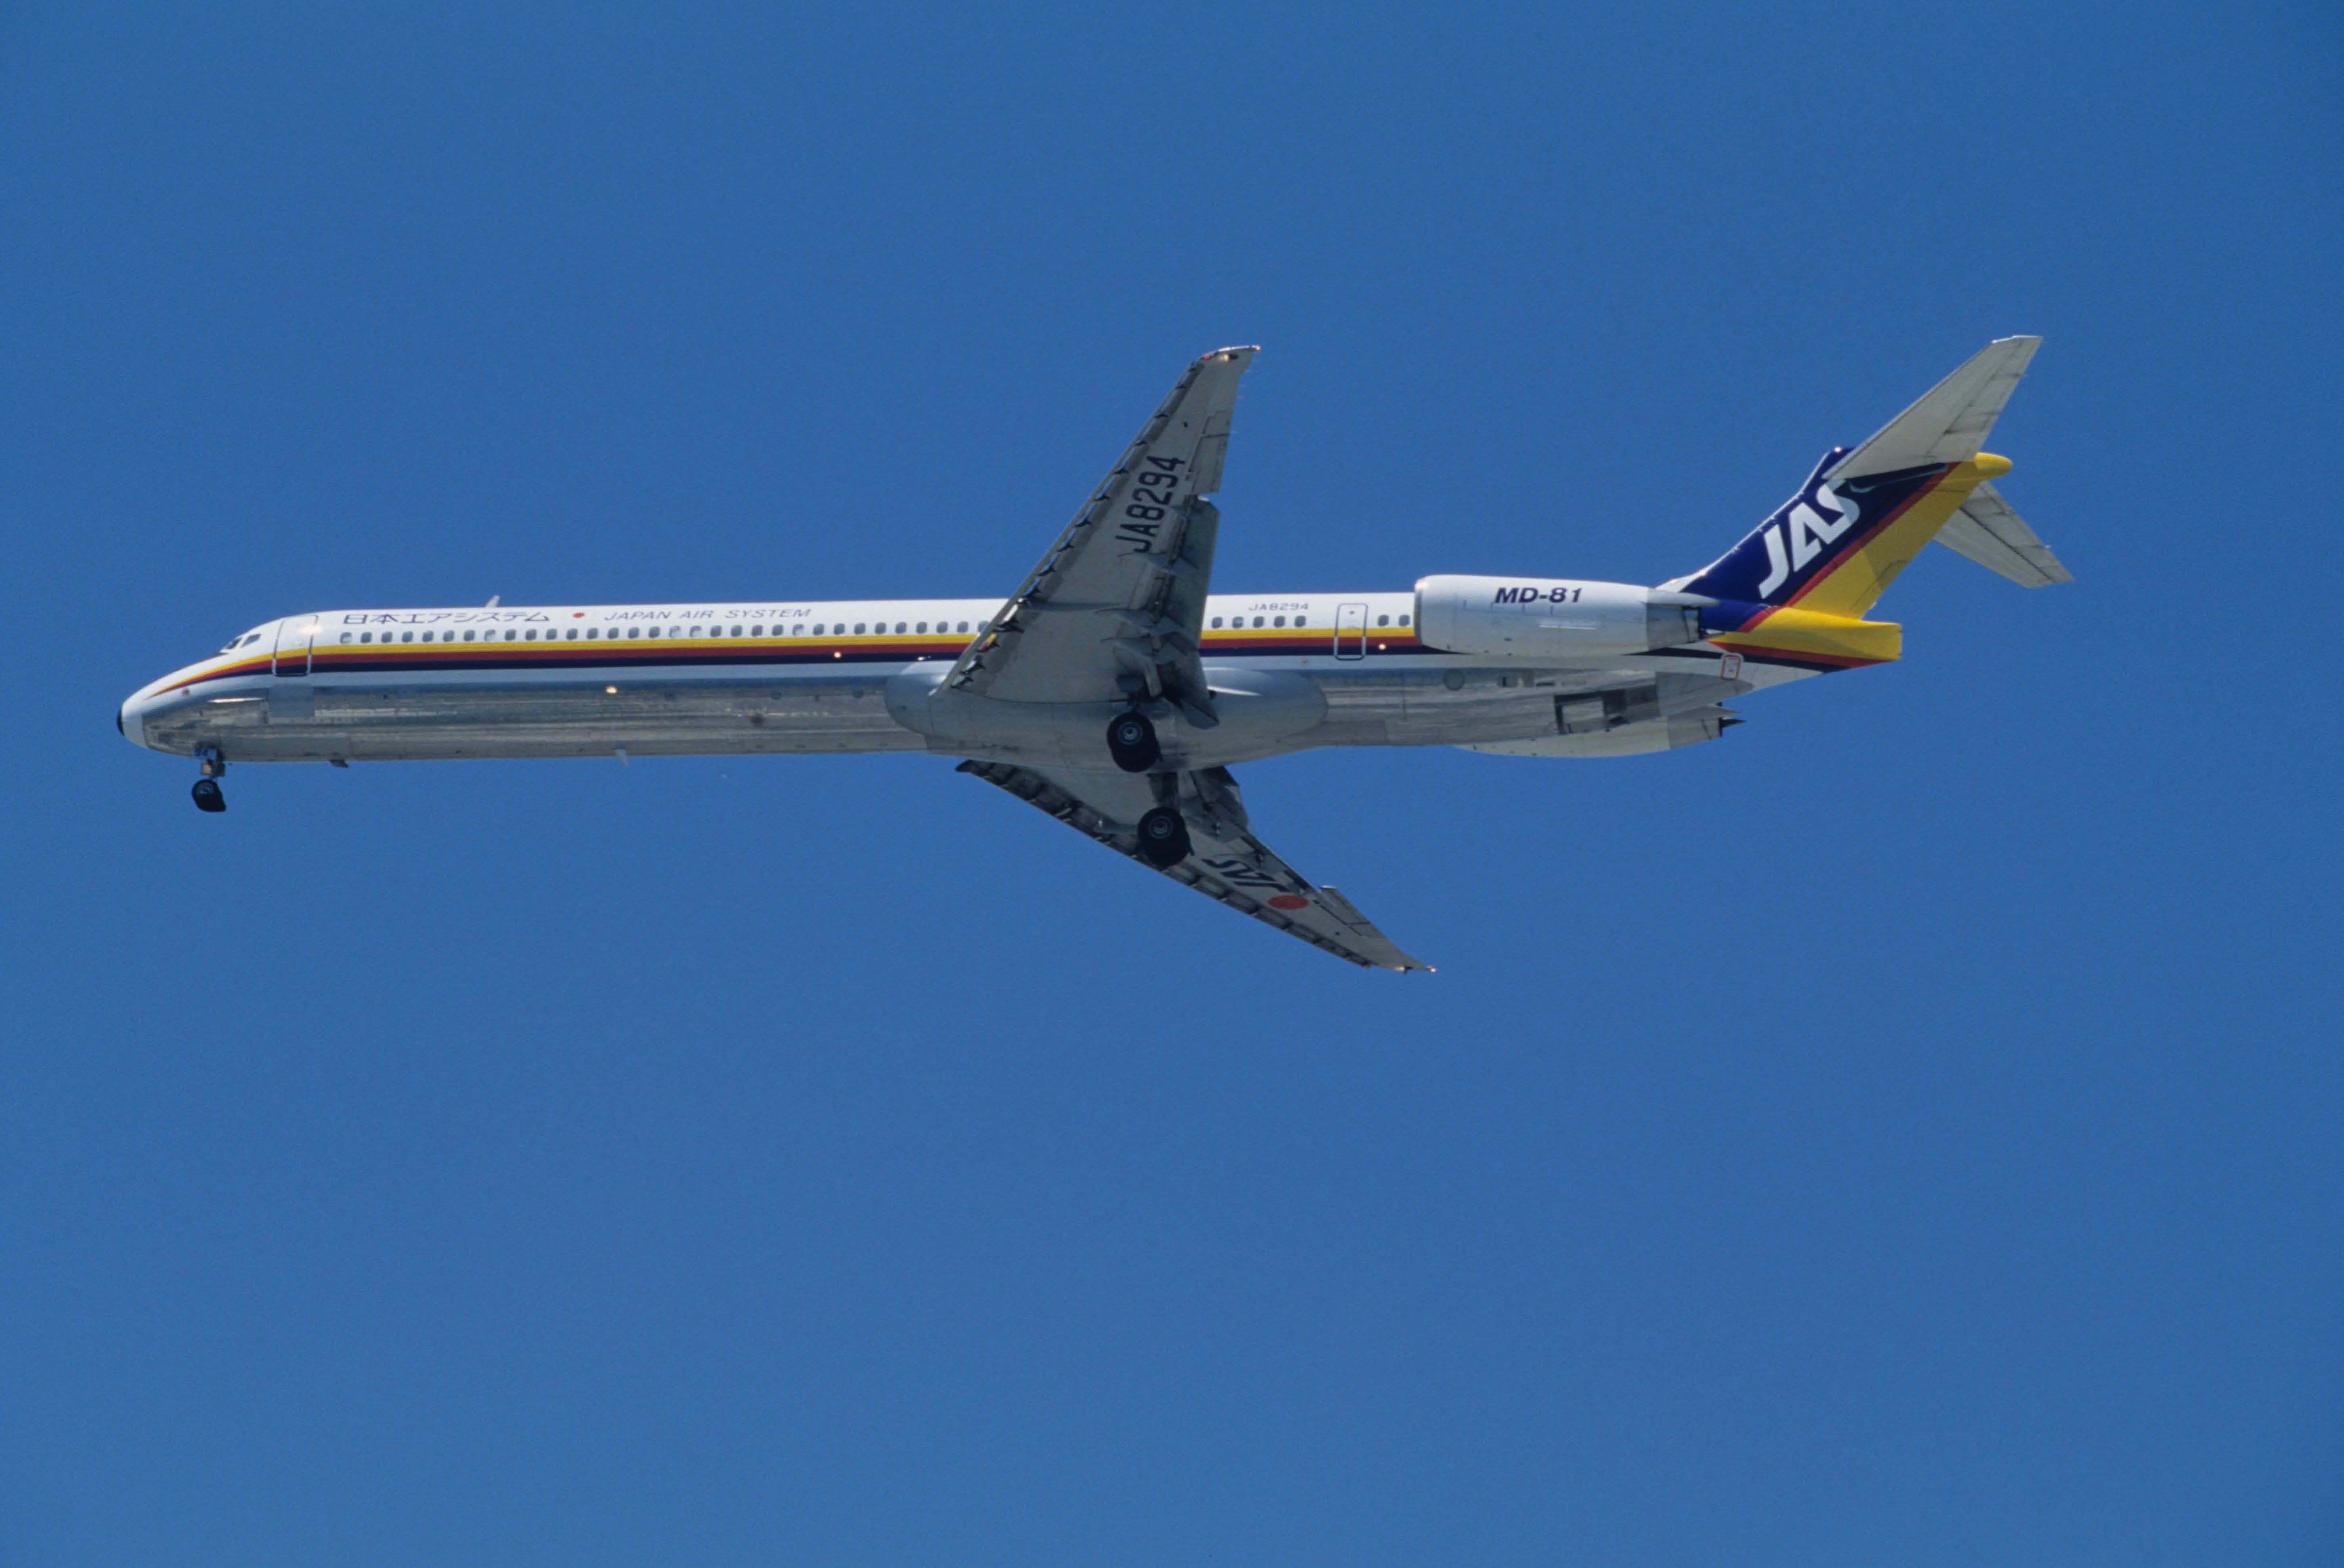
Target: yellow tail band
{"type": "Point", "coordinates": [1857, 582]}
{"type": "Point", "coordinates": [1825, 639]}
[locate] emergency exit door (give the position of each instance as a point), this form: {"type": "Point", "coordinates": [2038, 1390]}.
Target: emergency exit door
{"type": "Point", "coordinates": [1351, 632]}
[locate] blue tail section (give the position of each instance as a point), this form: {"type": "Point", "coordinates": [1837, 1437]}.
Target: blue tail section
{"type": "Point", "coordinates": [1809, 534]}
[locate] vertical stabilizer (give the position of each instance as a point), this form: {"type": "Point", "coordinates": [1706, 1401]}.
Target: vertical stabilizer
{"type": "Point", "coordinates": [1835, 547]}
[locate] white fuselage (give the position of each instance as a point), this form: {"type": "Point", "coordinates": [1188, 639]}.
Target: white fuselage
{"type": "Point", "coordinates": [1287, 674]}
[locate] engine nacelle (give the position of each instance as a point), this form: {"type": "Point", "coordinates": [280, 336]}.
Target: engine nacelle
{"type": "Point", "coordinates": [1547, 618]}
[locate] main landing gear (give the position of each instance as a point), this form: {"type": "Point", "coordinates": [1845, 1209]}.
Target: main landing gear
{"type": "Point", "coordinates": [1163, 838]}
{"type": "Point", "coordinates": [207, 790]}
{"type": "Point", "coordinates": [1163, 834]}
{"type": "Point", "coordinates": [1131, 741]}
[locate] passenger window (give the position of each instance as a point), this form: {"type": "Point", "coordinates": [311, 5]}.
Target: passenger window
{"type": "Point", "coordinates": [922, 627]}
{"type": "Point", "coordinates": [531, 635]}
{"type": "Point", "coordinates": [467, 636]}
{"type": "Point", "coordinates": [346, 636]}
{"type": "Point", "coordinates": [1403, 620]}
{"type": "Point", "coordinates": [366, 636]}
{"type": "Point", "coordinates": [758, 630]}
{"type": "Point", "coordinates": [798, 630]}
{"type": "Point", "coordinates": [1383, 620]}
{"type": "Point", "coordinates": [1217, 620]}
{"type": "Point", "coordinates": [963, 625]}
{"type": "Point", "coordinates": [407, 636]}
{"type": "Point", "coordinates": [858, 628]}
{"type": "Point", "coordinates": [634, 631]}
{"type": "Point", "coordinates": [511, 635]}
{"type": "Point", "coordinates": [736, 632]}
{"type": "Point", "coordinates": [899, 627]}
{"type": "Point", "coordinates": [1281, 621]}
{"type": "Point", "coordinates": [1258, 621]}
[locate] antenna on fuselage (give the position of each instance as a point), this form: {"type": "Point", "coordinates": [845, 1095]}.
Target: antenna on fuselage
{"type": "Point", "coordinates": [492, 601]}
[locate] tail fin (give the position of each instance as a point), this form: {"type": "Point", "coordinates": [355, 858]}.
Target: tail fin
{"type": "Point", "coordinates": [1862, 516]}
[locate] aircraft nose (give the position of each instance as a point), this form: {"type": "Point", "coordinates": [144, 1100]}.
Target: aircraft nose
{"type": "Point", "coordinates": [129, 718]}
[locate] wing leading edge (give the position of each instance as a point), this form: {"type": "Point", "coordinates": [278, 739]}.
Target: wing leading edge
{"type": "Point", "coordinates": [1227, 863]}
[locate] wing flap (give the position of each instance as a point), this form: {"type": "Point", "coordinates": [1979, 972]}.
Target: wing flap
{"type": "Point", "coordinates": [1228, 863]}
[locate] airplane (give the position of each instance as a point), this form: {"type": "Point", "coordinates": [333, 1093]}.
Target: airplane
{"type": "Point", "coordinates": [1111, 688]}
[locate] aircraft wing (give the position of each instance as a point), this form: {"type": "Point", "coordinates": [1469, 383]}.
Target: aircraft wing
{"type": "Point", "coordinates": [1226, 862]}
{"type": "Point", "coordinates": [1114, 607]}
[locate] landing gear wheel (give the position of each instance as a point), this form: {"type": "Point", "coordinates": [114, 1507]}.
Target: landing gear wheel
{"type": "Point", "coordinates": [207, 795]}
{"type": "Point", "coordinates": [1163, 838]}
{"type": "Point", "coordinates": [1131, 741]}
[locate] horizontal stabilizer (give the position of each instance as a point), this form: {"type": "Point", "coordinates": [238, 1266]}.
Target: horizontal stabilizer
{"type": "Point", "coordinates": [1987, 532]}
{"type": "Point", "coordinates": [1951, 421]}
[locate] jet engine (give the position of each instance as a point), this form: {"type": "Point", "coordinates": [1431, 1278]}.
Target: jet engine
{"type": "Point", "coordinates": [1547, 618]}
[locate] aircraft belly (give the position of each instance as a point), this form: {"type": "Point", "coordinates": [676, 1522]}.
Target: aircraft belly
{"type": "Point", "coordinates": [1264, 711]}
{"type": "Point", "coordinates": [1261, 714]}
{"type": "Point", "coordinates": [1458, 704]}
{"type": "Point", "coordinates": [1448, 707]}
{"type": "Point", "coordinates": [451, 720]}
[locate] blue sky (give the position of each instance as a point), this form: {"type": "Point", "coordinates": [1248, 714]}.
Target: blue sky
{"type": "Point", "coordinates": [1904, 1131]}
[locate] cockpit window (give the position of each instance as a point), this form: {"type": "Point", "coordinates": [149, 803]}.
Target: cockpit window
{"type": "Point", "coordinates": [244, 642]}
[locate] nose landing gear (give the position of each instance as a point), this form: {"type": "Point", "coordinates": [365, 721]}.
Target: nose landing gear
{"type": "Point", "coordinates": [207, 790]}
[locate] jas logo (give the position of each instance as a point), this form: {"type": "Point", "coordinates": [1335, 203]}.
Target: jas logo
{"type": "Point", "coordinates": [1793, 539]}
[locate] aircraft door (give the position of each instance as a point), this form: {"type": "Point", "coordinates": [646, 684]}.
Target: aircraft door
{"type": "Point", "coordinates": [1351, 632]}
{"type": "Point", "coordinates": [293, 639]}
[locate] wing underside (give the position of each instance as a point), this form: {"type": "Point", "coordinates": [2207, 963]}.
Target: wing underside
{"type": "Point", "coordinates": [1114, 607]}
{"type": "Point", "coordinates": [1227, 863]}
